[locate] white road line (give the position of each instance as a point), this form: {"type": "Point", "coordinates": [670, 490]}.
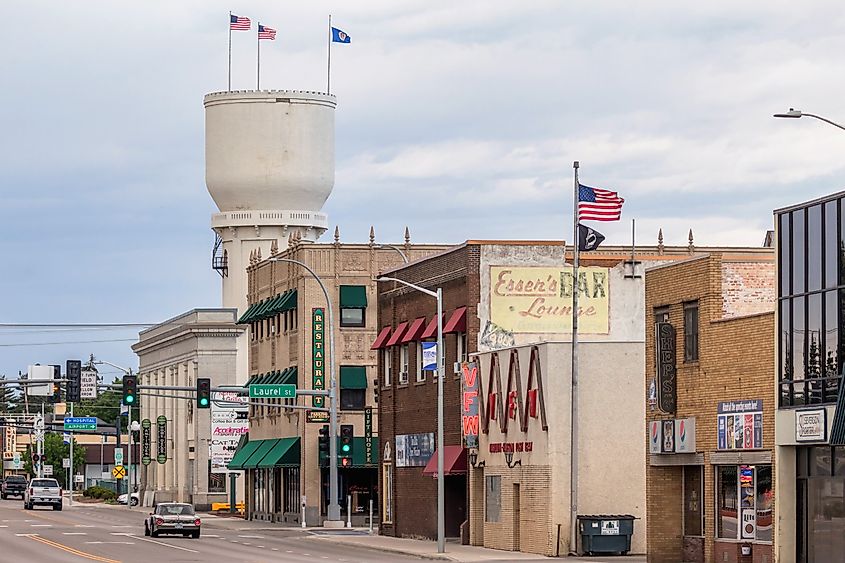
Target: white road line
{"type": "Point", "coordinates": [83, 526]}
{"type": "Point", "coordinates": [25, 535]}
{"type": "Point", "coordinates": [252, 537]}
{"type": "Point", "coordinates": [41, 525]}
{"type": "Point", "coordinates": [4, 526]}
{"type": "Point", "coordinates": [162, 543]}
{"type": "Point", "coordinates": [124, 526]}
{"type": "Point", "coordinates": [210, 536]}
{"type": "Point", "coordinates": [111, 542]}
{"type": "Point", "coordinates": [75, 533]}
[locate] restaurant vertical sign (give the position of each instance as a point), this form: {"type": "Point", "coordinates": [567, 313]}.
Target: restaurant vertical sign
{"type": "Point", "coordinates": [469, 404]}
{"type": "Point", "coordinates": [318, 363]}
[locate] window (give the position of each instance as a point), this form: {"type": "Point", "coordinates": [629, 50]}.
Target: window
{"type": "Point", "coordinates": [353, 305]}
{"type": "Point", "coordinates": [387, 493]}
{"type": "Point", "coordinates": [693, 495]}
{"type": "Point", "coordinates": [385, 362]}
{"type": "Point", "coordinates": [352, 399]}
{"type": "Point", "coordinates": [216, 481]}
{"type": "Point", "coordinates": [463, 352]}
{"type": "Point", "coordinates": [353, 387]}
{"type": "Point", "coordinates": [745, 501]}
{"type": "Point", "coordinates": [492, 498]}
{"type": "Point", "coordinates": [419, 364]}
{"type": "Point", "coordinates": [661, 314]}
{"type": "Point", "coordinates": [291, 494]}
{"type": "Point", "coordinates": [691, 331]}
{"type": "Point", "coordinates": [403, 364]}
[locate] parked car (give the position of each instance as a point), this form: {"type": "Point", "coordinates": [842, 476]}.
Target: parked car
{"type": "Point", "coordinates": [136, 499]}
{"type": "Point", "coordinates": [13, 485]}
{"type": "Point", "coordinates": [43, 492]}
{"type": "Point", "coordinates": [173, 518]}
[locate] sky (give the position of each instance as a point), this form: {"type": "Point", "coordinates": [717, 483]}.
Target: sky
{"type": "Point", "coordinates": [460, 120]}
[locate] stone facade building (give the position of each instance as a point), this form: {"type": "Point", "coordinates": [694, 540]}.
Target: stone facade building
{"type": "Point", "coordinates": [710, 414]}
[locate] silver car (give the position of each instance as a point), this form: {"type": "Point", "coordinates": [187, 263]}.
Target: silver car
{"type": "Point", "coordinates": [43, 492]}
{"type": "Point", "coordinates": [173, 518]}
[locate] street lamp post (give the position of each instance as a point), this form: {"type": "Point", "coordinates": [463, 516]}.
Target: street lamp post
{"type": "Point", "coordinates": [441, 514]}
{"type": "Point", "coordinates": [796, 113]}
{"type": "Point", "coordinates": [334, 508]}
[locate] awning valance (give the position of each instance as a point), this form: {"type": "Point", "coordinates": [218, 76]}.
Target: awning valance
{"type": "Point", "coordinates": [264, 447]}
{"type": "Point", "coordinates": [397, 334]}
{"type": "Point", "coordinates": [353, 296]}
{"type": "Point", "coordinates": [284, 452]}
{"type": "Point", "coordinates": [242, 454]}
{"type": "Point", "coordinates": [381, 339]}
{"type": "Point", "coordinates": [454, 462]}
{"type": "Point", "coordinates": [457, 322]}
{"type": "Point", "coordinates": [414, 331]}
{"type": "Point", "coordinates": [353, 377]}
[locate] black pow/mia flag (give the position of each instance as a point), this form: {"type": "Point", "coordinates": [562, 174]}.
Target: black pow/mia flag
{"type": "Point", "coordinates": [588, 239]}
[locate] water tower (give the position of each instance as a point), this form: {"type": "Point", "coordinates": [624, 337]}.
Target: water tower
{"type": "Point", "coordinates": [269, 166]}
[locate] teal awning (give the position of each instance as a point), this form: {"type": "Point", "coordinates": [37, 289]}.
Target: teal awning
{"type": "Point", "coordinates": [353, 377]}
{"type": "Point", "coordinates": [242, 454]}
{"type": "Point", "coordinates": [290, 301]}
{"type": "Point", "coordinates": [247, 314]}
{"type": "Point", "coordinates": [264, 447]}
{"type": "Point", "coordinates": [290, 376]}
{"type": "Point", "coordinates": [285, 452]}
{"type": "Point", "coordinates": [353, 296]}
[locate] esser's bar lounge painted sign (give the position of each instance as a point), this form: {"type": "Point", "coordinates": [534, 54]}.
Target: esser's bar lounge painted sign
{"type": "Point", "coordinates": [539, 299]}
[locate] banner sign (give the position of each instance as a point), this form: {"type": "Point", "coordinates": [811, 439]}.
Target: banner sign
{"type": "Point", "coordinates": [414, 450]}
{"type": "Point", "coordinates": [146, 441]}
{"type": "Point", "coordinates": [740, 425]}
{"type": "Point", "coordinates": [229, 421]}
{"type": "Point", "coordinates": [539, 299]}
{"type": "Point", "coordinates": [470, 420]}
{"type": "Point", "coordinates": [161, 443]}
{"type": "Point", "coordinates": [318, 365]}
{"type": "Point", "coordinates": [368, 435]}
{"type": "Point", "coordinates": [667, 394]}
{"type": "Point", "coordinates": [429, 356]}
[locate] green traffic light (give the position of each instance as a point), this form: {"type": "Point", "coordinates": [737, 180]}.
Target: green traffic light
{"type": "Point", "coordinates": [203, 401]}
{"type": "Point", "coordinates": [345, 448]}
{"type": "Point", "coordinates": [130, 399]}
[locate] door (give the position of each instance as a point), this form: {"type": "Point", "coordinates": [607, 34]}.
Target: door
{"type": "Point", "coordinates": [516, 516]}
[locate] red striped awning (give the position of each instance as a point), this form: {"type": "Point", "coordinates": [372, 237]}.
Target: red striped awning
{"type": "Point", "coordinates": [457, 322]}
{"type": "Point", "coordinates": [381, 339]}
{"type": "Point", "coordinates": [454, 462]}
{"type": "Point", "coordinates": [414, 331]}
{"type": "Point", "coordinates": [397, 334]}
{"type": "Point", "coordinates": [431, 330]}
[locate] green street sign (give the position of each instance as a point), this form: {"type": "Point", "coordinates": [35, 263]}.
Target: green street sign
{"type": "Point", "coordinates": [80, 423]}
{"type": "Point", "coordinates": [280, 391]}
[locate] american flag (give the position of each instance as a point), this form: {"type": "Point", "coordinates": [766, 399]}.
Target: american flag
{"type": "Point", "coordinates": [265, 32]}
{"type": "Point", "coordinates": [238, 23]}
{"type": "Point", "coordinates": [595, 204]}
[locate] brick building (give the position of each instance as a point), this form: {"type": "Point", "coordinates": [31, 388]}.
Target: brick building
{"type": "Point", "coordinates": [497, 295]}
{"type": "Point", "coordinates": [288, 325]}
{"type": "Point", "coordinates": [710, 414]}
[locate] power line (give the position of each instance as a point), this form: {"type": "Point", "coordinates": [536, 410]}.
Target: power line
{"type": "Point", "coordinates": [77, 325]}
{"type": "Point", "coordinates": [24, 344]}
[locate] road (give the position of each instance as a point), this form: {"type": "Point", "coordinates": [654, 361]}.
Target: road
{"type": "Point", "coordinates": [111, 534]}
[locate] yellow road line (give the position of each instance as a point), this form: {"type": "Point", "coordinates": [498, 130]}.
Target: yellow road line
{"type": "Point", "coordinates": [63, 547]}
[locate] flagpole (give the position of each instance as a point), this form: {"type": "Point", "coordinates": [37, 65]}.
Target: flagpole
{"type": "Point", "coordinates": [573, 399]}
{"type": "Point", "coordinates": [329, 69]}
{"type": "Point", "coordinates": [230, 52]}
{"type": "Point", "coordinates": [258, 69]}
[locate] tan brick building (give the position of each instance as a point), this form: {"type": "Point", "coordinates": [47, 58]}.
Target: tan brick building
{"type": "Point", "coordinates": [710, 409]}
{"type": "Point", "coordinates": [288, 324]}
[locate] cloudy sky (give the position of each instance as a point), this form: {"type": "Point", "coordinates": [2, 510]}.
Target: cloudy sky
{"type": "Point", "coordinates": [472, 111]}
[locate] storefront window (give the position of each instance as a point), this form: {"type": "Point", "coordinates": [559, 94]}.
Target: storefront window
{"type": "Point", "coordinates": [745, 502]}
{"type": "Point", "coordinates": [493, 498]}
{"type": "Point", "coordinates": [291, 483]}
{"type": "Point", "coordinates": [693, 492]}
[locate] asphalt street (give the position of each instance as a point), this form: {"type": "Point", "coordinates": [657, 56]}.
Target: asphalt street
{"type": "Point", "coordinates": [111, 534]}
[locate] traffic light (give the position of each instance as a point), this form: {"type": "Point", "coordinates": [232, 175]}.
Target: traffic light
{"type": "Point", "coordinates": [346, 432]}
{"type": "Point", "coordinates": [56, 389]}
{"type": "Point", "coordinates": [323, 441]}
{"type": "Point", "coordinates": [203, 392]}
{"type": "Point", "coordinates": [35, 458]}
{"type": "Point", "coordinates": [73, 387]}
{"type": "Point", "coordinates": [130, 390]}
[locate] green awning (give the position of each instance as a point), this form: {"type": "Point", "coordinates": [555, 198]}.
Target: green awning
{"type": "Point", "coordinates": [261, 313]}
{"type": "Point", "coordinates": [284, 453]}
{"type": "Point", "coordinates": [353, 377]}
{"type": "Point", "coordinates": [289, 376]}
{"type": "Point", "coordinates": [353, 296]}
{"type": "Point", "coordinates": [264, 447]}
{"type": "Point", "coordinates": [276, 377]}
{"type": "Point", "coordinates": [242, 454]}
{"type": "Point", "coordinates": [290, 301]}
{"type": "Point", "coordinates": [276, 306]}
{"type": "Point", "coordinates": [247, 314]}
{"type": "Point", "coordinates": [252, 379]}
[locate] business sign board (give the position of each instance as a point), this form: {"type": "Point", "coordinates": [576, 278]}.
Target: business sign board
{"type": "Point", "coordinates": [161, 439]}
{"type": "Point", "coordinates": [667, 377]}
{"type": "Point", "coordinates": [10, 442]}
{"type": "Point", "coordinates": [671, 436]}
{"type": "Point", "coordinates": [318, 364]}
{"type": "Point", "coordinates": [369, 454]}
{"type": "Point", "coordinates": [88, 384]}
{"type": "Point", "coordinates": [740, 425]}
{"type": "Point", "coordinates": [229, 421]}
{"type": "Point", "coordinates": [414, 450]}
{"type": "Point", "coordinates": [146, 441]}
{"type": "Point", "coordinates": [470, 418]}
{"type": "Point", "coordinates": [811, 425]}
{"type": "Point", "coordinates": [685, 435]}
{"type": "Point", "coordinates": [539, 299]}
{"type": "Point", "coordinates": [655, 437]}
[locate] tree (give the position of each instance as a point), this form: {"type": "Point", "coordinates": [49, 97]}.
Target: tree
{"type": "Point", "coordinates": [8, 396]}
{"type": "Point", "coordinates": [56, 450]}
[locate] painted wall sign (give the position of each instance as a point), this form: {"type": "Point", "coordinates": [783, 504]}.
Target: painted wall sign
{"type": "Point", "coordinates": [811, 425]}
{"type": "Point", "coordinates": [510, 447]}
{"type": "Point", "coordinates": [539, 299]}
{"type": "Point", "coordinates": [514, 402]}
{"type": "Point", "coordinates": [368, 435]}
{"type": "Point", "coordinates": [414, 450]}
{"type": "Point", "coordinates": [318, 364]}
{"type": "Point", "coordinates": [740, 425]}
{"type": "Point", "coordinates": [470, 417]}
{"type": "Point", "coordinates": [667, 379]}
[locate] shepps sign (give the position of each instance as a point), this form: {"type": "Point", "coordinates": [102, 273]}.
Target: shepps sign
{"type": "Point", "coordinates": [539, 299]}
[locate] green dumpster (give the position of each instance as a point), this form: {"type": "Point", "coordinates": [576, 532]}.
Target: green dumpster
{"type": "Point", "coordinates": [606, 533]}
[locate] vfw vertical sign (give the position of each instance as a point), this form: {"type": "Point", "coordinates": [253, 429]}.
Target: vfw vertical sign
{"type": "Point", "coordinates": [470, 421]}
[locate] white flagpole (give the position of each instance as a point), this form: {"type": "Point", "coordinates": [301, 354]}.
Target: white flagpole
{"type": "Point", "coordinates": [573, 399]}
{"type": "Point", "coordinates": [230, 52]}
{"type": "Point", "coordinates": [258, 69]}
{"type": "Point", "coordinates": [329, 69]}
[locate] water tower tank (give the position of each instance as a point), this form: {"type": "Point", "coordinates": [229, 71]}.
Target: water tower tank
{"type": "Point", "coordinates": [269, 150]}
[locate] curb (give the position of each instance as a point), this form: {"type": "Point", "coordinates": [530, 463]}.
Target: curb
{"type": "Point", "coordinates": [387, 549]}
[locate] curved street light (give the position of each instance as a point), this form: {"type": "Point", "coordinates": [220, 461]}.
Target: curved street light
{"type": "Point", "coordinates": [796, 113]}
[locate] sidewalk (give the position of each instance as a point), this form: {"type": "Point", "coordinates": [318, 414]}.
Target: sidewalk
{"type": "Point", "coordinates": [456, 552]}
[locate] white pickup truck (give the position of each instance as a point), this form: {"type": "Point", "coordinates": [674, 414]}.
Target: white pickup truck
{"type": "Point", "coordinates": [43, 492]}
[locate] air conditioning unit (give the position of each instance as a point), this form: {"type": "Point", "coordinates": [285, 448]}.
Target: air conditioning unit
{"type": "Point", "coordinates": [457, 367]}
